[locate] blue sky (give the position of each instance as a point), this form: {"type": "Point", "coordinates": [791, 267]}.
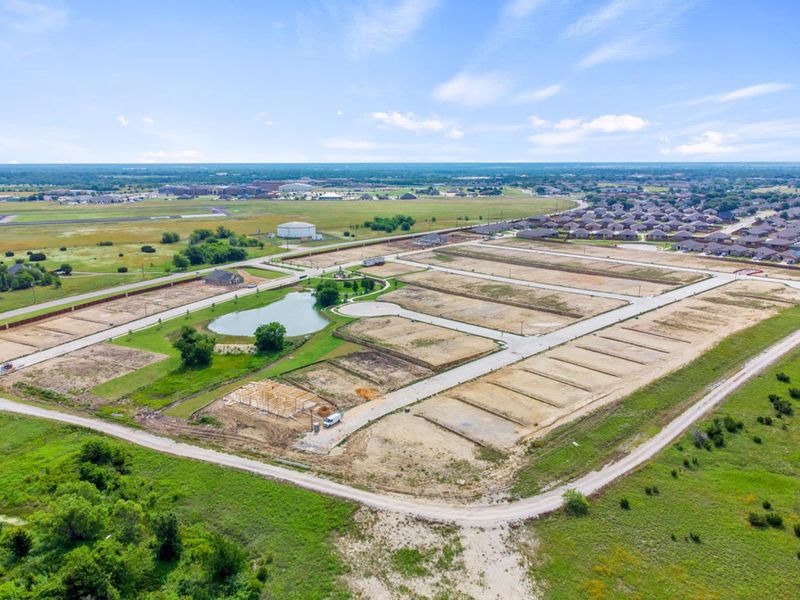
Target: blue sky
{"type": "Point", "coordinates": [399, 80]}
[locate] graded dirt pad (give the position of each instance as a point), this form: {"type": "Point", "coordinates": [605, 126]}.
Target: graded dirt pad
{"type": "Point", "coordinates": [531, 257]}
{"type": "Point", "coordinates": [477, 425]}
{"type": "Point", "coordinates": [390, 269]}
{"type": "Point", "coordinates": [47, 333]}
{"type": "Point", "coordinates": [427, 345]}
{"type": "Point", "coordinates": [538, 275]}
{"type": "Point", "coordinates": [76, 373]}
{"type": "Point", "coordinates": [353, 254]}
{"type": "Point", "coordinates": [274, 398]}
{"type": "Point", "coordinates": [407, 454]}
{"type": "Point", "coordinates": [336, 385]}
{"type": "Point", "coordinates": [384, 370]}
{"type": "Point", "coordinates": [500, 317]}
{"type": "Point", "coordinates": [661, 257]}
{"type": "Point", "coordinates": [244, 427]}
{"type": "Point", "coordinates": [563, 303]}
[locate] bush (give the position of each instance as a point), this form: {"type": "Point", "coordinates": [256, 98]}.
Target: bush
{"type": "Point", "coordinates": [797, 529]}
{"type": "Point", "coordinates": [38, 256]}
{"type": "Point", "coordinates": [105, 243]}
{"type": "Point", "coordinates": [624, 504]}
{"type": "Point", "coordinates": [782, 377]}
{"type": "Point", "coordinates": [269, 338]}
{"type": "Point", "coordinates": [766, 504]}
{"type": "Point", "coordinates": [168, 538]}
{"type": "Point", "coordinates": [9, 253]}
{"type": "Point", "coordinates": [794, 393]}
{"type": "Point", "coordinates": [170, 237]}
{"type": "Point", "coordinates": [732, 425]}
{"type": "Point", "coordinates": [781, 406]}
{"type": "Point", "coordinates": [756, 520]}
{"type": "Point", "coordinates": [180, 262]}
{"type": "Point", "coordinates": [65, 268]}
{"type": "Point", "coordinates": [774, 520]}
{"type": "Point", "coordinates": [17, 541]}
{"type": "Point", "coordinates": [148, 249]}
{"type": "Point", "coordinates": [575, 503]}
{"type": "Point", "coordinates": [63, 249]}
{"type": "Point", "coordinates": [757, 439]}
{"type": "Point", "coordinates": [122, 269]}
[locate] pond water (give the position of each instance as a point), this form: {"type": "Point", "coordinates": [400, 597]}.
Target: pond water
{"type": "Point", "coordinates": [296, 312]}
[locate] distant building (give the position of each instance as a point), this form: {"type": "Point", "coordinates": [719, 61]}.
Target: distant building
{"type": "Point", "coordinates": [375, 261]}
{"type": "Point", "coordinates": [297, 230]}
{"type": "Point", "coordinates": [295, 188]}
{"type": "Point", "coordinates": [431, 239]}
{"type": "Point", "coordinates": [408, 196]}
{"type": "Point", "coordinates": [330, 196]}
{"type": "Point", "coordinates": [223, 278]}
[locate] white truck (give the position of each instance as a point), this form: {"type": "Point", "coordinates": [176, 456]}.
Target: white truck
{"type": "Point", "coordinates": [332, 419]}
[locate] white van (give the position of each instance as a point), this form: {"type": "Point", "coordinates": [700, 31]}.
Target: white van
{"type": "Point", "coordinates": [332, 420]}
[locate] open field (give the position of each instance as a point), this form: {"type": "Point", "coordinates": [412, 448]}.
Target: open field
{"type": "Point", "coordinates": [428, 345]}
{"type": "Point", "coordinates": [38, 456]}
{"type": "Point", "coordinates": [501, 306]}
{"type": "Point", "coordinates": [645, 552]}
{"type": "Point", "coordinates": [389, 269]}
{"type": "Point", "coordinates": [356, 253]}
{"type": "Point", "coordinates": [662, 257]}
{"type": "Point", "coordinates": [33, 337]}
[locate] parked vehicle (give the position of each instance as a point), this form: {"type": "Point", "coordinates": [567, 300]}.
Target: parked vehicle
{"type": "Point", "coordinates": [6, 368]}
{"type": "Point", "coordinates": [332, 420]}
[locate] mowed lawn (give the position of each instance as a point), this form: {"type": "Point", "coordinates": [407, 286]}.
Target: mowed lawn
{"type": "Point", "coordinates": [616, 553]}
{"type": "Point", "coordinates": [290, 529]}
{"type": "Point", "coordinates": [590, 441]}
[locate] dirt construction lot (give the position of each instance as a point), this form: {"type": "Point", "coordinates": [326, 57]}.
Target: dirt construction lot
{"type": "Point", "coordinates": [34, 337]}
{"type": "Point", "coordinates": [429, 346]}
{"type": "Point", "coordinates": [538, 275]}
{"type": "Point", "coordinates": [75, 374]}
{"type": "Point", "coordinates": [348, 255]}
{"type": "Point", "coordinates": [501, 306]}
{"type": "Point", "coordinates": [668, 258]}
{"type": "Point", "coordinates": [532, 396]}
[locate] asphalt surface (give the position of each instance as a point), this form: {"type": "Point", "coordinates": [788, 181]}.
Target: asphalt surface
{"type": "Point", "coordinates": [468, 515]}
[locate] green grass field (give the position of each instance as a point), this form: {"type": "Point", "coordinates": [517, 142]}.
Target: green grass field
{"type": "Point", "coordinates": [616, 553]}
{"type": "Point", "coordinates": [599, 436]}
{"type": "Point", "coordinates": [290, 530]}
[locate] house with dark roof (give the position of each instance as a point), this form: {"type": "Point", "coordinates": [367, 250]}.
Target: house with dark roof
{"type": "Point", "coordinates": [627, 234]}
{"type": "Point", "coordinates": [536, 234]}
{"type": "Point", "coordinates": [717, 236]}
{"type": "Point", "coordinates": [223, 278]}
{"type": "Point", "coordinates": [656, 236]}
{"type": "Point", "coordinates": [431, 239]}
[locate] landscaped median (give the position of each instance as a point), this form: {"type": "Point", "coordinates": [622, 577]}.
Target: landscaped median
{"type": "Point", "coordinates": [589, 442]}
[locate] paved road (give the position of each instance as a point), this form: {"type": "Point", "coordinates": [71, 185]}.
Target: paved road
{"type": "Point", "coordinates": [215, 213]}
{"type": "Point", "coordinates": [379, 309]}
{"type": "Point", "coordinates": [469, 515]}
{"type": "Point", "coordinates": [363, 414]}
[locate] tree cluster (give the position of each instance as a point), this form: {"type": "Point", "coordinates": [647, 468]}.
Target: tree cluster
{"type": "Point", "coordinates": [214, 247]}
{"type": "Point", "coordinates": [327, 293]}
{"type": "Point", "coordinates": [390, 224]}
{"type": "Point", "coordinates": [28, 277]}
{"type": "Point", "coordinates": [105, 533]}
{"type": "Point", "coordinates": [197, 349]}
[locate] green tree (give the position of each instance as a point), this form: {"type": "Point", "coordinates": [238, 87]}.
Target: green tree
{"type": "Point", "coordinates": [65, 268]}
{"type": "Point", "coordinates": [74, 519]}
{"type": "Point", "coordinates": [327, 293]}
{"type": "Point", "coordinates": [127, 519]}
{"type": "Point", "coordinates": [180, 261]}
{"type": "Point", "coordinates": [84, 577]}
{"type": "Point", "coordinates": [17, 541]}
{"type": "Point", "coordinates": [225, 559]}
{"type": "Point", "coordinates": [170, 237]}
{"type": "Point", "coordinates": [269, 338]}
{"type": "Point", "coordinates": [168, 537]}
{"type": "Point", "coordinates": [197, 349]}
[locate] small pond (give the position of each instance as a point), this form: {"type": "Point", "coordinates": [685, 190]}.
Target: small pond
{"type": "Point", "coordinates": [296, 312]}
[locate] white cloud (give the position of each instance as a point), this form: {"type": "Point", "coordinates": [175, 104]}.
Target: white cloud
{"type": "Point", "coordinates": [570, 131]}
{"type": "Point", "coordinates": [614, 123]}
{"type": "Point", "coordinates": [709, 142]}
{"type": "Point", "coordinates": [640, 46]}
{"type": "Point", "coordinates": [264, 119]}
{"type": "Point", "coordinates": [31, 17]}
{"type": "Point", "coordinates": [408, 121]}
{"type": "Point", "coordinates": [148, 120]}
{"type": "Point", "coordinates": [530, 96]}
{"type": "Point", "coordinates": [377, 27]}
{"type": "Point", "coordinates": [178, 156]}
{"type": "Point", "coordinates": [745, 93]}
{"type": "Point", "coordinates": [123, 120]}
{"type": "Point", "coordinates": [538, 122]}
{"type": "Point", "coordinates": [348, 144]}
{"type": "Point", "coordinates": [601, 18]}
{"type": "Point", "coordinates": [454, 134]}
{"type": "Point", "coordinates": [473, 90]}
{"type": "Point", "coordinates": [339, 113]}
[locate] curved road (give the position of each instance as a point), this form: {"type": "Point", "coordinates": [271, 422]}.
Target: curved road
{"type": "Point", "coordinates": [469, 515]}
